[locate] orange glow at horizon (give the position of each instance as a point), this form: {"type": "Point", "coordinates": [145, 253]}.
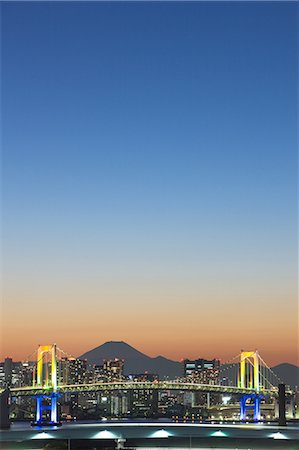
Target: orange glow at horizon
{"type": "Point", "coordinates": [169, 344]}
{"type": "Point", "coordinates": [272, 357]}
{"type": "Point", "coordinates": [178, 319]}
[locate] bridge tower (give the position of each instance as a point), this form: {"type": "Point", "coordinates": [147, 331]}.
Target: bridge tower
{"type": "Point", "coordinates": [249, 377]}
{"type": "Point", "coordinates": [46, 379]}
{"type": "Point", "coordinates": [249, 370]}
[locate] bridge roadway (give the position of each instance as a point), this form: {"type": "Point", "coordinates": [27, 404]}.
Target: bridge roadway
{"type": "Point", "coordinates": [136, 385]}
{"type": "Point", "coordinates": [151, 435]}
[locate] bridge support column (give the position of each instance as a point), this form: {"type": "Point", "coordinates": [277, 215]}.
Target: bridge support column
{"type": "Point", "coordinates": [282, 405]}
{"type": "Point", "coordinates": [290, 407]}
{"type": "Point", "coordinates": [54, 418]}
{"type": "Point", "coordinates": [4, 410]}
{"type": "Point", "coordinates": [51, 407]}
{"type": "Point", "coordinates": [256, 406]}
{"type": "Point", "coordinates": [155, 402]}
{"type": "Point", "coordinates": [208, 399]}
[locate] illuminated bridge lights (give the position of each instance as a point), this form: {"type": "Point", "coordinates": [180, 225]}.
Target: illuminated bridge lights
{"type": "Point", "coordinates": [105, 434]}
{"type": "Point", "coordinates": [278, 435]}
{"type": "Point", "coordinates": [218, 433]}
{"type": "Point", "coordinates": [42, 435]}
{"type": "Point", "coordinates": [152, 435]}
{"type": "Point", "coordinates": [160, 434]}
{"type": "Point", "coordinates": [163, 385]}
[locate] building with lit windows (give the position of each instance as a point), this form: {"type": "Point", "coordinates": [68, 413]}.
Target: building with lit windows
{"type": "Point", "coordinates": [202, 371]}
{"type": "Point", "coordinates": [113, 369]}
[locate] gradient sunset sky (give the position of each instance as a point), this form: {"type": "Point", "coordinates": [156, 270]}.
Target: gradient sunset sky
{"type": "Point", "coordinates": [150, 177]}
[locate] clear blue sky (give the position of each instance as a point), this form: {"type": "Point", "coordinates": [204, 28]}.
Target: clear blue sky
{"type": "Point", "coordinates": [150, 159]}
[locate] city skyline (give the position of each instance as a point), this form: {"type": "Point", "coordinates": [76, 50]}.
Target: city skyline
{"type": "Point", "coordinates": [95, 386]}
{"type": "Point", "coordinates": [123, 361]}
{"type": "Point", "coordinates": [150, 177]}
{"type": "Point", "coordinates": [199, 355]}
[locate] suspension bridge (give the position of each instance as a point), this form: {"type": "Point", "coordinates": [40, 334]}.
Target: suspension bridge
{"type": "Point", "coordinates": [246, 375]}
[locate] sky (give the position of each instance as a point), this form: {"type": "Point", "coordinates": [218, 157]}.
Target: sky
{"type": "Point", "coordinates": [149, 171]}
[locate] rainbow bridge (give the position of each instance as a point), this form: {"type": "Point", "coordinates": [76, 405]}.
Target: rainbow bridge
{"type": "Point", "coordinates": [252, 385]}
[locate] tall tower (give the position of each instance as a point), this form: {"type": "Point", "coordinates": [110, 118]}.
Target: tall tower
{"type": "Point", "coordinates": [249, 370]}
{"type": "Point", "coordinates": [46, 379]}
{"type": "Point", "coordinates": [249, 378]}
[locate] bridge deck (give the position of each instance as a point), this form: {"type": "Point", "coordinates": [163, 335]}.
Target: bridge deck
{"type": "Point", "coordinates": [124, 386]}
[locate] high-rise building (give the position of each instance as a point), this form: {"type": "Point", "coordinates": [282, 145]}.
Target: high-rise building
{"type": "Point", "coordinates": [143, 403]}
{"type": "Point", "coordinates": [2, 375]}
{"type": "Point", "coordinates": [28, 373]}
{"type": "Point", "coordinates": [74, 371]}
{"type": "Point", "coordinates": [144, 377]}
{"type": "Point", "coordinates": [202, 370]}
{"type": "Point", "coordinates": [16, 373]}
{"type": "Point", "coordinates": [119, 404]}
{"type": "Point", "coordinates": [8, 371]}
{"type": "Point", "coordinates": [113, 369]}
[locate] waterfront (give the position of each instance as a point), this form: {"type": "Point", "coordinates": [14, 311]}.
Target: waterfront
{"type": "Point", "coordinates": [150, 434]}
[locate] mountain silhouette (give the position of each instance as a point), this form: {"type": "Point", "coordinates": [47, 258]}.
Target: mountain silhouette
{"type": "Point", "coordinates": [138, 362]}
{"type": "Point", "coordinates": [135, 361]}
{"type": "Point", "coordinates": [288, 374]}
